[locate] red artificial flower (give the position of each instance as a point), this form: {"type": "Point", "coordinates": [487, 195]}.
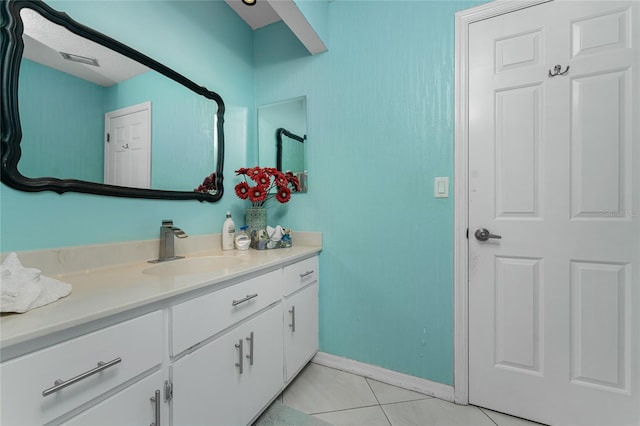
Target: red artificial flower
{"type": "Point", "coordinates": [208, 184]}
{"type": "Point", "coordinates": [254, 171]}
{"type": "Point", "coordinates": [242, 190]}
{"type": "Point", "coordinates": [280, 178]}
{"type": "Point", "coordinates": [265, 179]}
{"type": "Point", "coordinates": [259, 176]}
{"type": "Point", "coordinates": [293, 180]}
{"type": "Point", "coordinates": [257, 193]}
{"type": "Point", "coordinates": [284, 194]}
{"type": "Point", "coordinates": [209, 180]}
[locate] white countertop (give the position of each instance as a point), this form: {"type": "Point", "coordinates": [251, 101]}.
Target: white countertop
{"type": "Point", "coordinates": [106, 291]}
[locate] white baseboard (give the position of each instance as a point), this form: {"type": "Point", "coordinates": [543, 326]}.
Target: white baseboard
{"type": "Point", "coordinates": [390, 377]}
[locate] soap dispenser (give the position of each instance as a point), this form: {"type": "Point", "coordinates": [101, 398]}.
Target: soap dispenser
{"type": "Point", "coordinates": [242, 239]}
{"type": "Point", "coordinates": [228, 233]}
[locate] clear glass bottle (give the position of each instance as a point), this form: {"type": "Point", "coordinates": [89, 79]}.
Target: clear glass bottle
{"type": "Point", "coordinates": [242, 239]}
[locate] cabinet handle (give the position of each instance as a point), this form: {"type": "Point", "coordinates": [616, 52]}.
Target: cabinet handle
{"type": "Point", "coordinates": [292, 311]}
{"type": "Point", "coordinates": [244, 299]}
{"type": "Point", "coordinates": [306, 274]}
{"type": "Point", "coordinates": [239, 348]}
{"type": "Point", "coordinates": [250, 356]}
{"type": "Point", "coordinates": [156, 400]}
{"type": "Point", "coordinates": [61, 384]}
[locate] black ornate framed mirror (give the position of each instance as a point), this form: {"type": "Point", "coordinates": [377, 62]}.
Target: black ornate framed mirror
{"type": "Point", "coordinates": [82, 112]}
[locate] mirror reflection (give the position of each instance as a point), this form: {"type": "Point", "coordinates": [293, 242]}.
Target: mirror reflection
{"type": "Point", "coordinates": [83, 112]}
{"type": "Point", "coordinates": [282, 137]}
{"type": "Point", "coordinates": [98, 116]}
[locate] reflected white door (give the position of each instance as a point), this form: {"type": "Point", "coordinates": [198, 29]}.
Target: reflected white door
{"type": "Point", "coordinates": [554, 168]}
{"type": "Point", "coordinates": [127, 159]}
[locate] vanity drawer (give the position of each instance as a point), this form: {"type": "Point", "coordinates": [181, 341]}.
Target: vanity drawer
{"type": "Point", "coordinates": [197, 319]}
{"type": "Point", "coordinates": [128, 349]}
{"type": "Point", "coordinates": [300, 274]}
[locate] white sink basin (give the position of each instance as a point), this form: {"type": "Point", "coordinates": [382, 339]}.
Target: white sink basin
{"type": "Point", "coordinates": [193, 265]}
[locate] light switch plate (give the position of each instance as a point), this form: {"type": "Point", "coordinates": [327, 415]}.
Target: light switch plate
{"type": "Point", "coordinates": [441, 187]}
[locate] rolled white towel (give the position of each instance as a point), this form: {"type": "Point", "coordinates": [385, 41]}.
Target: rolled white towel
{"type": "Point", "coordinates": [23, 289]}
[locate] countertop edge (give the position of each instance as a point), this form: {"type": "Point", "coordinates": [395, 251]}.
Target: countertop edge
{"type": "Point", "coordinates": [12, 340]}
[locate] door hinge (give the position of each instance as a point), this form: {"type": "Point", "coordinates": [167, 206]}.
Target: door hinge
{"type": "Point", "coordinates": [168, 391]}
{"type": "Point", "coordinates": [108, 137]}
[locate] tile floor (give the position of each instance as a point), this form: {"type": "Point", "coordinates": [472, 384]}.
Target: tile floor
{"type": "Point", "coordinates": [341, 398]}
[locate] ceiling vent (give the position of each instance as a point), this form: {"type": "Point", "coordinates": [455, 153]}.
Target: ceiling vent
{"type": "Point", "coordinates": [80, 59]}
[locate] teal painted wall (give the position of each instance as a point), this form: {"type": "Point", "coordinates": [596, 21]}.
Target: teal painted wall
{"type": "Point", "coordinates": [47, 120]}
{"type": "Point", "coordinates": [380, 128]}
{"type": "Point", "coordinates": [317, 14]}
{"type": "Point", "coordinates": [205, 41]}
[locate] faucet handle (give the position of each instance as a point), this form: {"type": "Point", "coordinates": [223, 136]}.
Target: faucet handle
{"type": "Point", "coordinates": [167, 223]}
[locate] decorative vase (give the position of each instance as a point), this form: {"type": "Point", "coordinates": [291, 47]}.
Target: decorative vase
{"type": "Point", "coordinates": [256, 220]}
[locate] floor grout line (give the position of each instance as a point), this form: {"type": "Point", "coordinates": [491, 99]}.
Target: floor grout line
{"type": "Point", "coordinates": [490, 418]}
{"type": "Point", "coordinates": [344, 409]}
{"type": "Point", "coordinates": [409, 400]}
{"type": "Point", "coordinates": [377, 399]}
{"type": "Point", "coordinates": [381, 405]}
{"type": "Point", "coordinates": [372, 391]}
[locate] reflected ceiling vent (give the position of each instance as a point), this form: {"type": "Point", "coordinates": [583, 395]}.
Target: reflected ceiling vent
{"type": "Point", "coordinates": [249, 2]}
{"type": "Point", "coordinates": [80, 59]}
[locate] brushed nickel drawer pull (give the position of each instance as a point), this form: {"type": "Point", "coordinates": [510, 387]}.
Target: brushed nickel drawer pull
{"type": "Point", "coordinates": [244, 299]}
{"type": "Point", "coordinates": [240, 360]}
{"type": "Point", "coordinates": [156, 401]}
{"type": "Point", "coordinates": [61, 384]}
{"type": "Point", "coordinates": [306, 274]}
{"type": "Point", "coordinates": [250, 356]}
{"type": "Point", "coordinates": [292, 311]}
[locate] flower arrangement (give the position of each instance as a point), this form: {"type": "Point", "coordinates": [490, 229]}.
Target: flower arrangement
{"type": "Point", "coordinates": [260, 181]}
{"type": "Point", "coordinates": [208, 184]}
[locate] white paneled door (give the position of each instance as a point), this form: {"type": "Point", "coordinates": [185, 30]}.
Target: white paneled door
{"type": "Point", "coordinates": [554, 170]}
{"type": "Point", "coordinates": [127, 148]}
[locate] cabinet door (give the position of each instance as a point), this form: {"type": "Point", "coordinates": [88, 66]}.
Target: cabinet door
{"type": "Point", "coordinates": [265, 375]}
{"type": "Point", "coordinates": [132, 406]}
{"type": "Point", "coordinates": [300, 329]}
{"type": "Point", "coordinates": [208, 385]}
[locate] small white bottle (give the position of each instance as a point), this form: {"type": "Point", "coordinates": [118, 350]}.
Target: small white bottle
{"type": "Point", "coordinates": [228, 233]}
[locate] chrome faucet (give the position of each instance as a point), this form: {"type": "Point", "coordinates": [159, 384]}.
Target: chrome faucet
{"type": "Point", "coordinates": [167, 232]}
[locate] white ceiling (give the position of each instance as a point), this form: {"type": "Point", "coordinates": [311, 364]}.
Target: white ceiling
{"type": "Point", "coordinates": [257, 16]}
{"type": "Point", "coordinates": [265, 12]}
{"type": "Point", "coordinates": [44, 40]}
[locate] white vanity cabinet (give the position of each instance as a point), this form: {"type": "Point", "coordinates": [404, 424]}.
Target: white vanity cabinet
{"type": "Point", "coordinates": [272, 332]}
{"type": "Point", "coordinates": [217, 356]}
{"type": "Point", "coordinates": [300, 314]}
{"type": "Point", "coordinates": [233, 367]}
{"type": "Point", "coordinates": [231, 379]}
{"type": "Point", "coordinates": [47, 384]}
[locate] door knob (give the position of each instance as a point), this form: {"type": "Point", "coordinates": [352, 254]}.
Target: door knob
{"type": "Point", "coordinates": [483, 234]}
